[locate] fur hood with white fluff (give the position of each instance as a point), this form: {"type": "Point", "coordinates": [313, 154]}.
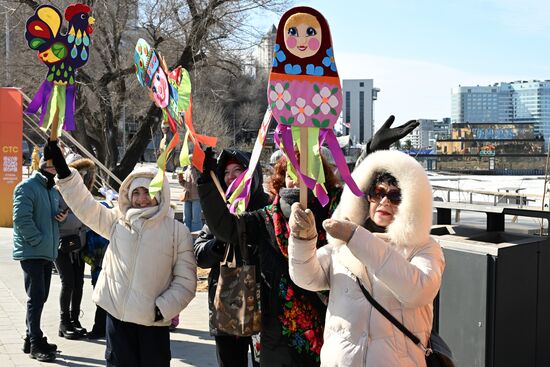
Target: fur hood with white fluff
{"type": "Point", "coordinates": [412, 223]}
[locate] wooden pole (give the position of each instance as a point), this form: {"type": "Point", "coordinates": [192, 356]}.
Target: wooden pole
{"type": "Point", "coordinates": [218, 185]}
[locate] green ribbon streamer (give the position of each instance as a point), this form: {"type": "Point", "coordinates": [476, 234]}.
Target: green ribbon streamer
{"type": "Point", "coordinates": [57, 102]}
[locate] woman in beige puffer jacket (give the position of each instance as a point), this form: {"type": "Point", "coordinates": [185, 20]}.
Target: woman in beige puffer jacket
{"type": "Point", "coordinates": [149, 269]}
{"type": "Point", "coordinates": [401, 268]}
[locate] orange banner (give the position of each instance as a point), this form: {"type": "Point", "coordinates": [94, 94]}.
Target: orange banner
{"type": "Point", "coordinates": [11, 150]}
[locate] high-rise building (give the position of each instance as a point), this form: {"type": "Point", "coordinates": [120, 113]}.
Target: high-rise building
{"type": "Point", "coordinates": [358, 95]}
{"type": "Point", "coordinates": [428, 132]}
{"type": "Point", "coordinates": [264, 51]}
{"type": "Point", "coordinates": [516, 102]}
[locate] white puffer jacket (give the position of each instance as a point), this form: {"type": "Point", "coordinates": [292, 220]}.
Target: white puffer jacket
{"type": "Point", "coordinates": [149, 260]}
{"type": "Point", "coordinates": [401, 268]}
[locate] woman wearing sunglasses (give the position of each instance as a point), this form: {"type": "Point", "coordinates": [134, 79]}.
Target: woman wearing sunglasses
{"type": "Point", "coordinates": [383, 241]}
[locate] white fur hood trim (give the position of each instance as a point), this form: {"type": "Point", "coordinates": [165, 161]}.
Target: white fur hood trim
{"type": "Point", "coordinates": [413, 221]}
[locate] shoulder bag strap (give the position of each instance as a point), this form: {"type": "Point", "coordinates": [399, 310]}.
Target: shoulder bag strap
{"type": "Point", "coordinates": [393, 320]}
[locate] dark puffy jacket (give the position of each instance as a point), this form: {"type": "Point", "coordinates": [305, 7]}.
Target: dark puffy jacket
{"type": "Point", "coordinates": [209, 251]}
{"type": "Point", "coordinates": [35, 231]}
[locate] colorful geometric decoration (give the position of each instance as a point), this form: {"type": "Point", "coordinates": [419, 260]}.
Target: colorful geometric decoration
{"type": "Point", "coordinates": [63, 54]}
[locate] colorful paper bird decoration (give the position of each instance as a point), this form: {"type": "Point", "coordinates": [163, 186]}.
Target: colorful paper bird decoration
{"type": "Point", "coordinates": [304, 92]}
{"type": "Point", "coordinates": [63, 54]}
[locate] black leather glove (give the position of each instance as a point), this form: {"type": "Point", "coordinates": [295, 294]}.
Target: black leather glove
{"type": "Point", "coordinates": [52, 151]}
{"type": "Point", "coordinates": [386, 136]}
{"type": "Point", "coordinates": [209, 165]}
{"type": "Point", "coordinates": [158, 314]}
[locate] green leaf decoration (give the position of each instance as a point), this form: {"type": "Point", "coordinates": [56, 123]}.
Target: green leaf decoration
{"type": "Point", "coordinates": [59, 50]}
{"type": "Point", "coordinates": [325, 123]}
{"type": "Point", "coordinates": [317, 110]}
{"type": "Point", "coordinates": [316, 88]}
{"type": "Point", "coordinates": [273, 104]}
{"type": "Point", "coordinates": [290, 120]}
{"type": "Point", "coordinates": [333, 111]}
{"type": "Point", "coordinates": [50, 77]}
{"type": "Point", "coordinates": [288, 304]}
{"type": "Point", "coordinates": [283, 120]}
{"type": "Point", "coordinates": [334, 90]}
{"type": "Point", "coordinates": [286, 86]}
{"type": "Point", "coordinates": [65, 74]}
{"type": "Point", "coordinates": [62, 65]}
{"type": "Point", "coordinates": [287, 106]}
{"type": "Point", "coordinates": [70, 68]}
{"type": "Point", "coordinates": [71, 80]}
{"type": "Point", "coordinates": [53, 67]}
{"type": "Point", "coordinates": [316, 122]}
{"type": "Point", "coordinates": [36, 42]}
{"type": "Point", "coordinates": [58, 73]}
{"type": "Point", "coordinates": [272, 87]}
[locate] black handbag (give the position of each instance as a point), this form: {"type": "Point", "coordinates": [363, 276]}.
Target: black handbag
{"type": "Point", "coordinates": [437, 352]}
{"type": "Point", "coordinates": [70, 243]}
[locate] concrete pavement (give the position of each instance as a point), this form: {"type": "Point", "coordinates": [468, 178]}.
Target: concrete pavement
{"type": "Point", "coordinates": [191, 343]}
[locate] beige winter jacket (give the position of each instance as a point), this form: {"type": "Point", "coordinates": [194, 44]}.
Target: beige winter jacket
{"type": "Point", "coordinates": [402, 269]}
{"type": "Point", "coordinates": [149, 260]}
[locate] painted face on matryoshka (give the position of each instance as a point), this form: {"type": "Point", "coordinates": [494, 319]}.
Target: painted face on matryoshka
{"type": "Point", "coordinates": [160, 88]}
{"type": "Point", "coordinates": [303, 35]}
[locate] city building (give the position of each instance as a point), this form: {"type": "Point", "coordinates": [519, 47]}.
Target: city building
{"type": "Point", "coordinates": [428, 132]}
{"type": "Point", "coordinates": [516, 102]}
{"type": "Point", "coordinates": [359, 96]}
{"type": "Point", "coordinates": [492, 147]}
{"type": "Point", "coordinates": [264, 52]}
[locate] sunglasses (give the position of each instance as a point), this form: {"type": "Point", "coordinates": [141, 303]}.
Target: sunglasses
{"type": "Point", "coordinates": [376, 195]}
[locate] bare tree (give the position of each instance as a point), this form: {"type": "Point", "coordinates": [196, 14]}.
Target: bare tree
{"type": "Point", "coordinates": [200, 35]}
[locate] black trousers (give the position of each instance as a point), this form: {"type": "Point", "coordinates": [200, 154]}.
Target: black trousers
{"type": "Point", "coordinates": [100, 317]}
{"type": "Point", "coordinates": [71, 272]}
{"type": "Point", "coordinates": [133, 345]}
{"type": "Point", "coordinates": [232, 351]}
{"type": "Point", "coordinates": [37, 274]}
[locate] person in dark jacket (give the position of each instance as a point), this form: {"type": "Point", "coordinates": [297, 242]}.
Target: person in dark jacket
{"type": "Point", "coordinates": [36, 213]}
{"type": "Point", "coordinates": [292, 318]}
{"type": "Point", "coordinates": [209, 251]}
{"type": "Point", "coordinates": [70, 265]}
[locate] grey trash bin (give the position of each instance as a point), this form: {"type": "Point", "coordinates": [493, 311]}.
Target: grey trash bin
{"type": "Point", "coordinates": [494, 303]}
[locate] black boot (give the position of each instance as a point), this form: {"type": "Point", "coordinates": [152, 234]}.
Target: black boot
{"type": "Point", "coordinates": [76, 324]}
{"type": "Point", "coordinates": [67, 330]}
{"type": "Point", "coordinates": [40, 351]}
{"type": "Point", "coordinates": [27, 345]}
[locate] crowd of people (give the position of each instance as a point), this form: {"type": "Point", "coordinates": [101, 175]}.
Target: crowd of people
{"type": "Point", "coordinates": [311, 262]}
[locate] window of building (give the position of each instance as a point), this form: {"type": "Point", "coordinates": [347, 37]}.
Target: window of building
{"type": "Point", "coordinates": [361, 84]}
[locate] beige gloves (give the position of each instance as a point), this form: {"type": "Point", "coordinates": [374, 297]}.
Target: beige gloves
{"type": "Point", "coordinates": [302, 223]}
{"type": "Point", "coordinates": [340, 229]}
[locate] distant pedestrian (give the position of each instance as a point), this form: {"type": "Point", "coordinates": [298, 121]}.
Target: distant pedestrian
{"type": "Point", "coordinates": [149, 271]}
{"type": "Point", "coordinates": [192, 215]}
{"type": "Point", "coordinates": [36, 214]}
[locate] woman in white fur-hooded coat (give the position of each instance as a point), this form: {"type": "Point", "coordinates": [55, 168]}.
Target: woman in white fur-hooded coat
{"type": "Point", "coordinates": [401, 268]}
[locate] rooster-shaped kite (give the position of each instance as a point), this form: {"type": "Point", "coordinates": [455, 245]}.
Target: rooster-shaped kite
{"type": "Point", "coordinates": [305, 96]}
{"type": "Point", "coordinates": [63, 54]}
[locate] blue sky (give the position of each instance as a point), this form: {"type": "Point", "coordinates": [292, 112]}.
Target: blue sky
{"type": "Point", "coordinates": [416, 51]}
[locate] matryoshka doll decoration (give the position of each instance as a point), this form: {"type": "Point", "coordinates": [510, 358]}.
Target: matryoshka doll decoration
{"type": "Point", "coordinates": [304, 92]}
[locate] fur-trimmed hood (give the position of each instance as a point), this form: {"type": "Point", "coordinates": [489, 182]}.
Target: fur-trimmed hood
{"type": "Point", "coordinates": [148, 172]}
{"type": "Point", "coordinates": [413, 221]}
{"type": "Point", "coordinates": [89, 166]}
